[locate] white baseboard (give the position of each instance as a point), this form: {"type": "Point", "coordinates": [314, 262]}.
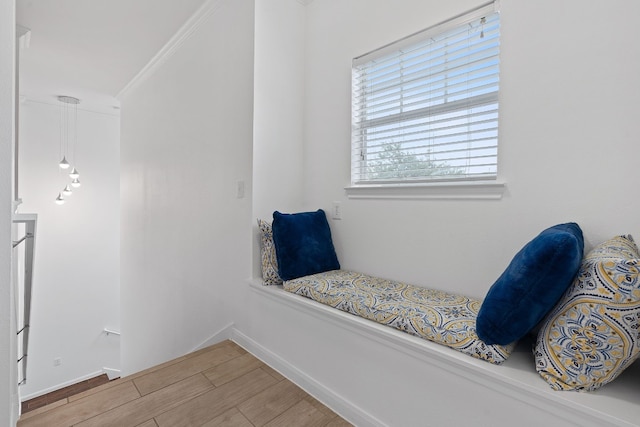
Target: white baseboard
{"type": "Point", "coordinates": [337, 403]}
{"type": "Point", "coordinates": [223, 334]}
{"type": "Point", "coordinates": [61, 385]}
{"type": "Point", "coordinates": [112, 373]}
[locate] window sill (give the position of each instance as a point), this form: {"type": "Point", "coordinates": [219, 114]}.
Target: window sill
{"type": "Point", "coordinates": [469, 190]}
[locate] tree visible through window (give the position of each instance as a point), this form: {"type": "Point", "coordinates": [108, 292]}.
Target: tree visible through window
{"type": "Point", "coordinates": [426, 107]}
{"type": "Point", "coordinates": [394, 161]}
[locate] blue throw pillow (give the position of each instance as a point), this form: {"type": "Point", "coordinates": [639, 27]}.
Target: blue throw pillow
{"type": "Point", "coordinates": [303, 244]}
{"type": "Point", "coordinates": [531, 285]}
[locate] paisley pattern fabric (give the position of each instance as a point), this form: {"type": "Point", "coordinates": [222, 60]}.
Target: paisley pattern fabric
{"type": "Point", "coordinates": [437, 316]}
{"type": "Point", "coordinates": [268, 255]}
{"type": "Point", "coordinates": [592, 334]}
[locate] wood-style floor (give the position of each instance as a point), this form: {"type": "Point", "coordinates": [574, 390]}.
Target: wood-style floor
{"type": "Point", "coordinates": [221, 385]}
{"type": "Point", "coordinates": [63, 393]}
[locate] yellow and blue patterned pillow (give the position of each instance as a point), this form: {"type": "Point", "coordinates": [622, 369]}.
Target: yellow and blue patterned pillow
{"type": "Point", "coordinates": [591, 335]}
{"type": "Point", "coordinates": [268, 255]}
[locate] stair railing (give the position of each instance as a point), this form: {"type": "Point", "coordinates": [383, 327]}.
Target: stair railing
{"type": "Point", "coordinates": [24, 286]}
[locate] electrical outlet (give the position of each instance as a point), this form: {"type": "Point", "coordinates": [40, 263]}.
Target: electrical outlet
{"type": "Point", "coordinates": [57, 361]}
{"type": "Point", "coordinates": [336, 210]}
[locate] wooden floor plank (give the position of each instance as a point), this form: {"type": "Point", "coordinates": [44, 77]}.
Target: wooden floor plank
{"type": "Point", "coordinates": [197, 353]}
{"type": "Point", "coordinates": [210, 405]}
{"type": "Point", "coordinates": [231, 418]}
{"type": "Point", "coordinates": [147, 407]}
{"type": "Point", "coordinates": [249, 394]}
{"type": "Point", "coordinates": [268, 404]}
{"type": "Point", "coordinates": [63, 393]}
{"type": "Point", "coordinates": [44, 409]}
{"type": "Point", "coordinates": [164, 365]}
{"type": "Point", "coordinates": [302, 414]}
{"type": "Point", "coordinates": [239, 348]}
{"type": "Point", "coordinates": [95, 390]}
{"type": "Point", "coordinates": [232, 369]}
{"type": "Point", "coordinates": [80, 410]}
{"type": "Point", "coordinates": [275, 374]}
{"type": "Point", "coordinates": [185, 368]}
{"type": "Point", "coordinates": [319, 406]}
{"type": "Point", "coordinates": [338, 422]}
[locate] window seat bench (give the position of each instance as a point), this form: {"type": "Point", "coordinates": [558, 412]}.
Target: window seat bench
{"type": "Point", "coordinates": [616, 404]}
{"type": "Point", "coordinates": [441, 317]}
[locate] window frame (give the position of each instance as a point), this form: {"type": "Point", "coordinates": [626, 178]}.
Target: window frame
{"type": "Point", "coordinates": [441, 187]}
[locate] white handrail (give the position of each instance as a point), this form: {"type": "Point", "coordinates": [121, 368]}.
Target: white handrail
{"type": "Point", "coordinates": [30, 223]}
{"type": "Point", "coordinates": [110, 332]}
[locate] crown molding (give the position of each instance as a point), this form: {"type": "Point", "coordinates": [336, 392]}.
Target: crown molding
{"type": "Point", "coordinates": [184, 33]}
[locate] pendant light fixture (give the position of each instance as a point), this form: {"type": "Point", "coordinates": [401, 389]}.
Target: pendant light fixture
{"type": "Point", "coordinates": [68, 142]}
{"type": "Point", "coordinates": [63, 163]}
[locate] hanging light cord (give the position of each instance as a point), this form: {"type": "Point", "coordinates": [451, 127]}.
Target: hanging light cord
{"type": "Point", "coordinates": [75, 134]}
{"type": "Point", "coordinates": [65, 141]}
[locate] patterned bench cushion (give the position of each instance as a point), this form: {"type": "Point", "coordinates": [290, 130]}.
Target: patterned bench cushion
{"type": "Point", "coordinates": [437, 316]}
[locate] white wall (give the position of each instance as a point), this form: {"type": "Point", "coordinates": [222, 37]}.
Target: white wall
{"type": "Point", "coordinates": [278, 138]}
{"type": "Point", "coordinates": [77, 266]}
{"type": "Point", "coordinates": [278, 118]}
{"type": "Point", "coordinates": [8, 381]}
{"type": "Point", "coordinates": [567, 153]}
{"type": "Point", "coordinates": [185, 236]}
{"type": "Point", "coordinates": [568, 131]}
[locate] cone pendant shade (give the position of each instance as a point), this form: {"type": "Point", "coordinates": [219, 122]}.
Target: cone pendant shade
{"type": "Point", "coordinates": [63, 163]}
{"type": "Point", "coordinates": [68, 142]}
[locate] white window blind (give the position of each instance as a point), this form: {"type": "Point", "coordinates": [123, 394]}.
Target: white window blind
{"type": "Point", "coordinates": [425, 108]}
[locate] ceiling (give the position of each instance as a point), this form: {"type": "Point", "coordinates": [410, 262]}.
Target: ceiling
{"type": "Point", "coordinates": [91, 49]}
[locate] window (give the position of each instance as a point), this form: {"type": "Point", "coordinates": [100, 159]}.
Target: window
{"type": "Point", "coordinates": [425, 108]}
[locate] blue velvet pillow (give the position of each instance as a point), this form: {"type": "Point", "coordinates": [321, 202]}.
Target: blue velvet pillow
{"type": "Point", "coordinates": [531, 285]}
{"type": "Point", "coordinates": [303, 244]}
